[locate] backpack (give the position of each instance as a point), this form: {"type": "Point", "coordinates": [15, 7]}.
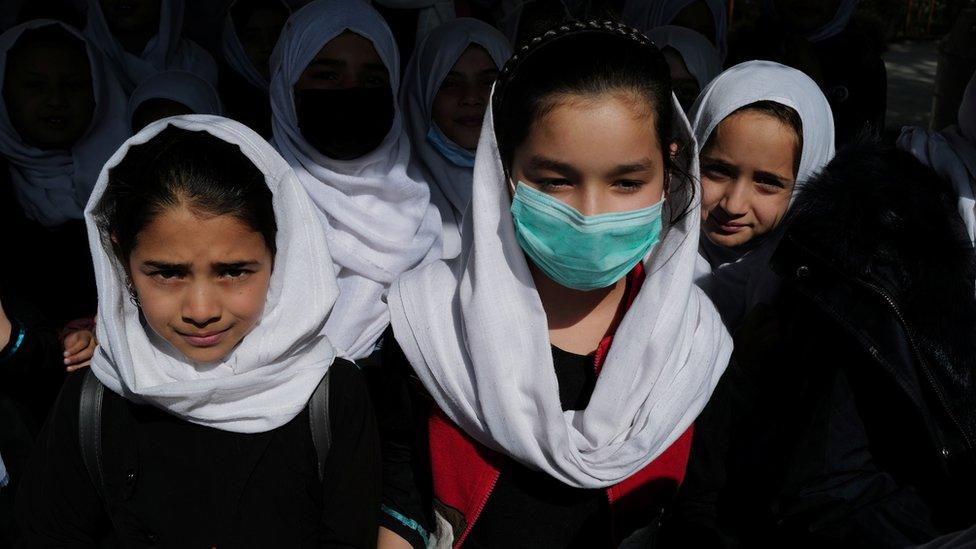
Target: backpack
{"type": "Point", "coordinates": [90, 427]}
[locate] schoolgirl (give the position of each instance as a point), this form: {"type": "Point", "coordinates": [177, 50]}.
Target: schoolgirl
{"type": "Point", "coordinates": [563, 356]}
{"type": "Point", "coordinates": [214, 412]}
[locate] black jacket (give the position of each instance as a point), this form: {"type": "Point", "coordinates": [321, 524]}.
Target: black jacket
{"type": "Point", "coordinates": [848, 418]}
{"type": "Point", "coordinates": [171, 483]}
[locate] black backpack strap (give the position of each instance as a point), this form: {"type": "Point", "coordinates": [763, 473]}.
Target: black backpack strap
{"type": "Point", "coordinates": [318, 420]}
{"type": "Point", "coordinates": [90, 429]}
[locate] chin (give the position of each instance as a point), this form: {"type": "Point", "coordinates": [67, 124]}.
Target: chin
{"type": "Point", "coordinates": [206, 355]}
{"type": "Point", "coordinates": [728, 240]}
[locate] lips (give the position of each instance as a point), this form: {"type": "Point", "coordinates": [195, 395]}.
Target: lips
{"type": "Point", "coordinates": [469, 121]}
{"type": "Point", "coordinates": [206, 339]}
{"type": "Point", "coordinates": [727, 227]}
{"type": "Point", "coordinates": [55, 121]}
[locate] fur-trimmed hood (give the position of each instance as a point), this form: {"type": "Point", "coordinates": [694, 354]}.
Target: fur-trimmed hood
{"type": "Point", "coordinates": [879, 218]}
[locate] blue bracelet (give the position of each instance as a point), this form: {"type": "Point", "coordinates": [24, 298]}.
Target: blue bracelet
{"type": "Point", "coordinates": [21, 332]}
{"type": "Point", "coordinates": [409, 523]}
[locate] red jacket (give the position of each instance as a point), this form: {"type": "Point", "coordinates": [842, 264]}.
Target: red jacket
{"type": "Point", "coordinates": [465, 472]}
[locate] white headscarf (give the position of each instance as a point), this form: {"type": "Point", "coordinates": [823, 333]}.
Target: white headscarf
{"type": "Point", "coordinates": [649, 14]}
{"type": "Point", "coordinates": [952, 153]}
{"type": "Point", "coordinates": [378, 221]}
{"type": "Point", "coordinates": [738, 279]}
{"type": "Point", "coordinates": [476, 333]}
{"type": "Point", "coordinates": [696, 51]}
{"type": "Point", "coordinates": [53, 186]}
{"type": "Point", "coordinates": [450, 184]}
{"type": "Point", "coordinates": [432, 13]}
{"type": "Point", "coordinates": [166, 51]}
{"type": "Point", "coordinates": [236, 56]}
{"type": "Point", "coordinates": [268, 378]}
{"type": "Point", "coordinates": [183, 87]}
{"type": "Point", "coordinates": [833, 27]}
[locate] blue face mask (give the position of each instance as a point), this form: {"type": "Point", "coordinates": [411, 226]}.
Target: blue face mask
{"type": "Point", "coordinates": [583, 252]}
{"type": "Point", "coordinates": [449, 149]}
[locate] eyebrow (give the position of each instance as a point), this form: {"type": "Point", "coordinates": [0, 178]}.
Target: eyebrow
{"type": "Point", "coordinates": [633, 167]}
{"type": "Point", "coordinates": [542, 163]}
{"type": "Point", "coordinates": [758, 173]}
{"type": "Point", "coordinates": [165, 266]}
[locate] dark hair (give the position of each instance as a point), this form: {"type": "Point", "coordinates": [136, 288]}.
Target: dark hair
{"type": "Point", "coordinates": [242, 10]}
{"type": "Point", "coordinates": [786, 115]}
{"type": "Point", "coordinates": [182, 167]}
{"type": "Point", "coordinates": [590, 58]}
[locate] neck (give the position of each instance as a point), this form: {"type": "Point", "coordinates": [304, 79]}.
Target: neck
{"type": "Point", "coordinates": [578, 320]}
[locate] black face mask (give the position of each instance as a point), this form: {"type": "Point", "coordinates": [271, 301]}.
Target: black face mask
{"type": "Point", "coordinates": [345, 124]}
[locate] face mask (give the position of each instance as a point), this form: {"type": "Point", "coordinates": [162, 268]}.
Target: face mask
{"type": "Point", "coordinates": [449, 149]}
{"type": "Point", "coordinates": [345, 124]}
{"type": "Point", "coordinates": [580, 251]}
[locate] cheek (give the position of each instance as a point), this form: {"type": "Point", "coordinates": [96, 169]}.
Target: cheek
{"type": "Point", "coordinates": [159, 306]}
{"type": "Point", "coordinates": [769, 210]}
{"type": "Point", "coordinates": [711, 194]}
{"type": "Point", "coordinates": [443, 109]}
{"type": "Point", "coordinates": [247, 301]}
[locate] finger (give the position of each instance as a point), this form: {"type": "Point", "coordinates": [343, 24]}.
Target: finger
{"type": "Point", "coordinates": [76, 367]}
{"type": "Point", "coordinates": [73, 347]}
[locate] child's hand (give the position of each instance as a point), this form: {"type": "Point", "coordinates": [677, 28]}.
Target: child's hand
{"type": "Point", "coordinates": [79, 347]}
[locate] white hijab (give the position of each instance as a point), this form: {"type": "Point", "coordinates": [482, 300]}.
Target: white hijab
{"type": "Point", "coordinates": [432, 13]}
{"type": "Point", "coordinates": [268, 378]}
{"type": "Point", "coordinates": [830, 29]}
{"type": "Point", "coordinates": [696, 51]}
{"type": "Point", "coordinates": [53, 186]}
{"type": "Point", "coordinates": [450, 184]}
{"type": "Point", "coordinates": [166, 51]}
{"type": "Point", "coordinates": [649, 14]}
{"type": "Point", "coordinates": [476, 333]}
{"type": "Point", "coordinates": [378, 221]}
{"type": "Point", "coordinates": [952, 153]}
{"type": "Point", "coordinates": [183, 87]}
{"type": "Point", "coordinates": [236, 56]}
{"type": "Point", "coordinates": [738, 279]}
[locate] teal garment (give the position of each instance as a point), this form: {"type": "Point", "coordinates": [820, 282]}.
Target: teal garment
{"type": "Point", "coordinates": [450, 150]}
{"type": "Point", "coordinates": [579, 251]}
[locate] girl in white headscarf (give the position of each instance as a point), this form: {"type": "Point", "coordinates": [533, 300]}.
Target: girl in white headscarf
{"type": "Point", "coordinates": [171, 93]}
{"type": "Point", "coordinates": [764, 129]}
{"type": "Point", "coordinates": [444, 96]}
{"type": "Point", "coordinates": [577, 258]}
{"type": "Point", "coordinates": [211, 307]}
{"type": "Point", "coordinates": [251, 30]}
{"type": "Point", "coordinates": [62, 116]}
{"type": "Point", "coordinates": [952, 153]}
{"type": "Point", "coordinates": [335, 72]}
{"type": "Point", "coordinates": [708, 17]}
{"type": "Point", "coordinates": [143, 37]}
{"type": "Point", "coordinates": [694, 61]}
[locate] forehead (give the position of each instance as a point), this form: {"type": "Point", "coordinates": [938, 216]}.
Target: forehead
{"type": "Point", "coordinates": [349, 46]}
{"type": "Point", "coordinates": [754, 137]}
{"type": "Point", "coordinates": [181, 235]}
{"type": "Point", "coordinates": [598, 130]}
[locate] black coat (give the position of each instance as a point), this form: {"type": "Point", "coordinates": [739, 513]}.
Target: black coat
{"type": "Point", "coordinates": [171, 483]}
{"type": "Point", "coordinates": [848, 418]}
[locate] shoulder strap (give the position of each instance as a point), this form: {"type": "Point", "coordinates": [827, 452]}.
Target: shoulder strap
{"type": "Point", "coordinates": [318, 420]}
{"type": "Point", "coordinates": [90, 429]}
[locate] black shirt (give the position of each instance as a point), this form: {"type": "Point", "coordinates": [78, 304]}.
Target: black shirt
{"type": "Point", "coordinates": [527, 508]}
{"type": "Point", "coordinates": [178, 484]}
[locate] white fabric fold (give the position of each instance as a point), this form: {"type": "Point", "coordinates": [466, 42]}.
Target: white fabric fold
{"type": "Point", "coordinates": [738, 279]}
{"type": "Point", "coordinates": [649, 14]}
{"type": "Point", "coordinates": [952, 154]}
{"type": "Point", "coordinates": [699, 55]}
{"type": "Point", "coordinates": [183, 87]}
{"type": "Point", "coordinates": [268, 378]}
{"type": "Point", "coordinates": [167, 50]}
{"type": "Point", "coordinates": [53, 186]}
{"type": "Point", "coordinates": [476, 333]}
{"type": "Point", "coordinates": [450, 184]}
{"type": "Point", "coordinates": [378, 220]}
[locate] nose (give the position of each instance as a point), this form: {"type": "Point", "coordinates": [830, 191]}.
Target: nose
{"type": "Point", "coordinates": [201, 305]}
{"type": "Point", "coordinates": [473, 96]}
{"type": "Point", "coordinates": [57, 97]}
{"type": "Point", "coordinates": [589, 201]}
{"type": "Point", "coordinates": [736, 198]}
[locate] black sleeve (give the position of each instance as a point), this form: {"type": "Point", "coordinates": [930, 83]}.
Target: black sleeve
{"type": "Point", "coordinates": [31, 364]}
{"type": "Point", "coordinates": [57, 503]}
{"type": "Point", "coordinates": [406, 466]}
{"type": "Point", "coordinates": [352, 470]}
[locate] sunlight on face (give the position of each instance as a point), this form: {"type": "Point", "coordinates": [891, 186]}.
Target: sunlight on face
{"type": "Point", "coordinates": [460, 104]}
{"type": "Point", "coordinates": [747, 173]}
{"type": "Point", "coordinates": [597, 154]}
{"type": "Point", "coordinates": [201, 281]}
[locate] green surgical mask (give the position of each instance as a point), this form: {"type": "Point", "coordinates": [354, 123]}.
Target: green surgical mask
{"type": "Point", "coordinates": [583, 252]}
